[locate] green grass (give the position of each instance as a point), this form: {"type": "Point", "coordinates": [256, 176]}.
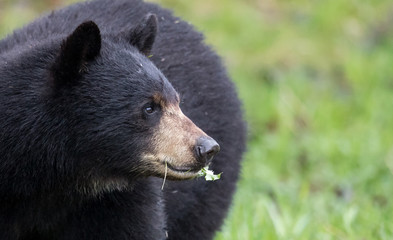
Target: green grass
{"type": "Point", "coordinates": [316, 79]}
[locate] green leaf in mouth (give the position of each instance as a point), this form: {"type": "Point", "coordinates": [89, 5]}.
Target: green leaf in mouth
{"type": "Point", "coordinates": [208, 174]}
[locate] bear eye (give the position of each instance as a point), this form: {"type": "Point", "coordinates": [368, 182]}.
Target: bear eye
{"type": "Point", "coordinates": [150, 108]}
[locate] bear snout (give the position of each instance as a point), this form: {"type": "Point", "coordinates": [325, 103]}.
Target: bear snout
{"type": "Point", "coordinates": [179, 148]}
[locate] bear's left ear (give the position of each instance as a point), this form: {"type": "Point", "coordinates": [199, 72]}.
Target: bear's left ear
{"type": "Point", "coordinates": [80, 47]}
{"type": "Point", "coordinates": [144, 34]}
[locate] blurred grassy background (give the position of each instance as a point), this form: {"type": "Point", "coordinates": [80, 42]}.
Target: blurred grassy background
{"type": "Point", "coordinates": [316, 78]}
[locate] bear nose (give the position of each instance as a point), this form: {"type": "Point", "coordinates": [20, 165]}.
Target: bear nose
{"type": "Point", "coordinates": [206, 149]}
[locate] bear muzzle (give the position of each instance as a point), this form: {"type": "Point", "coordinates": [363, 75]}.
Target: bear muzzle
{"type": "Point", "coordinates": [179, 148]}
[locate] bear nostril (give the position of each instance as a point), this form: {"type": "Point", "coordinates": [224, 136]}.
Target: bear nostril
{"type": "Point", "coordinates": [207, 148]}
{"type": "Point", "coordinates": [200, 151]}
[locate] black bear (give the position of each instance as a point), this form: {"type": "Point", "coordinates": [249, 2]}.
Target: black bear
{"type": "Point", "coordinates": [91, 116]}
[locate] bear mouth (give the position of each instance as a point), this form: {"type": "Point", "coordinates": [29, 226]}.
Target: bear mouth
{"type": "Point", "coordinates": [183, 169]}
{"type": "Point", "coordinates": [165, 167]}
{"type": "Point", "coordinates": [173, 172]}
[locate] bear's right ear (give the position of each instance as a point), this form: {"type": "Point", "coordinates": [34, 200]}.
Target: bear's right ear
{"type": "Point", "coordinates": [81, 46]}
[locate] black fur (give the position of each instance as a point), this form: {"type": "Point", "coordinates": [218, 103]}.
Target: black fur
{"type": "Point", "coordinates": [53, 146]}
